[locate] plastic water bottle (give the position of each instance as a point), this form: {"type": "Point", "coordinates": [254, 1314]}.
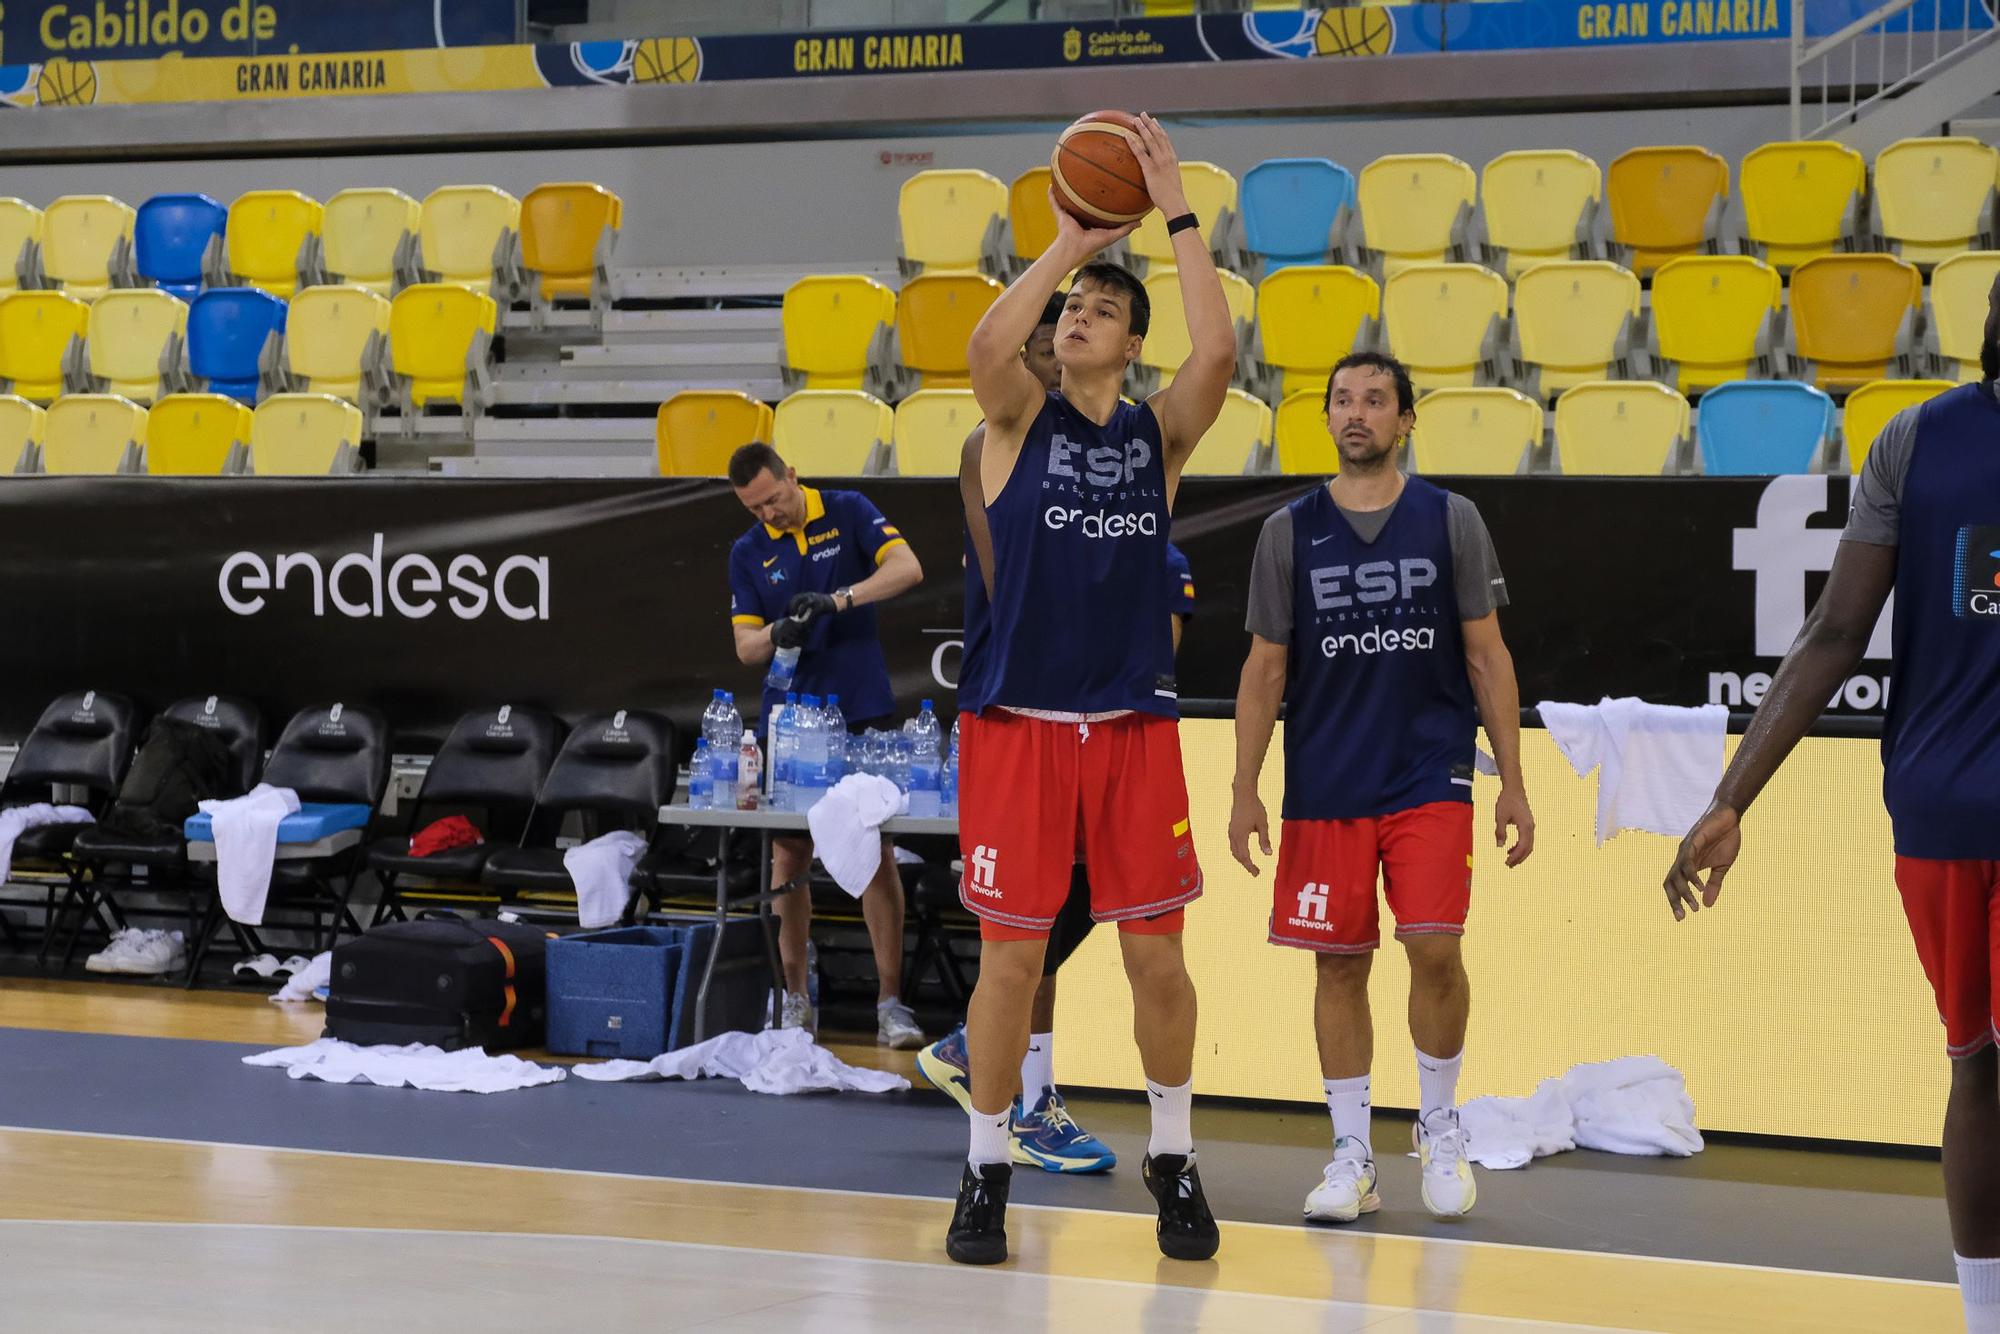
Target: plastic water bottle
{"type": "Point", "coordinates": [926, 762]}
{"type": "Point", "coordinates": [948, 785]}
{"type": "Point", "coordinates": [835, 724]}
{"type": "Point", "coordinates": [701, 783]}
{"type": "Point", "coordinates": [897, 749]}
{"type": "Point", "coordinates": [784, 667]}
{"type": "Point", "coordinates": [749, 773]}
{"type": "Point", "coordinates": [784, 752]}
{"type": "Point", "coordinates": [811, 784]}
{"type": "Point", "coordinates": [722, 750]}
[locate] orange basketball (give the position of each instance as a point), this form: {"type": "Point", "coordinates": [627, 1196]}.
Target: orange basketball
{"type": "Point", "coordinates": [1097, 175]}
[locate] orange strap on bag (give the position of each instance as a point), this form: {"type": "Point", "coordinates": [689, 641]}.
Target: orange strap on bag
{"type": "Point", "coordinates": [506, 1010]}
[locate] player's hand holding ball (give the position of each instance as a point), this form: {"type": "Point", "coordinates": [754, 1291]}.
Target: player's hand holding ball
{"type": "Point", "coordinates": [1161, 167]}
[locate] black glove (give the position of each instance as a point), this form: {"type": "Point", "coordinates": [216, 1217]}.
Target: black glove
{"type": "Point", "coordinates": [809, 607]}
{"type": "Point", "coordinates": [790, 633]}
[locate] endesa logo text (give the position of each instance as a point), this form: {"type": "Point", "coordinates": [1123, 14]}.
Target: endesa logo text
{"type": "Point", "coordinates": [360, 586]}
{"type": "Point", "coordinates": [1100, 523]}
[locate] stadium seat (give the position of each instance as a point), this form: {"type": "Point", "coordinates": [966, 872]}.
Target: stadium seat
{"type": "Point", "coordinates": [21, 425]}
{"type": "Point", "coordinates": [1540, 205]}
{"type": "Point", "coordinates": [177, 242]}
{"type": "Point", "coordinates": [951, 222]}
{"type": "Point", "coordinates": [1444, 323]}
{"type": "Point", "coordinates": [1869, 408]}
{"type": "Point", "coordinates": [1853, 317]}
{"type": "Point", "coordinates": [134, 344]}
{"type": "Point", "coordinates": [1715, 319]}
{"type": "Point", "coordinates": [1239, 442]}
{"type": "Point", "coordinates": [1167, 345]}
{"type": "Point", "coordinates": [234, 334]}
{"type": "Point", "coordinates": [35, 333]}
{"type": "Point", "coordinates": [1476, 432]}
{"type": "Point", "coordinates": [1296, 210]}
{"type": "Point", "coordinates": [1960, 287]}
{"type": "Point", "coordinates": [272, 240]}
{"type": "Point", "coordinates": [838, 330]}
{"type": "Point", "coordinates": [1624, 428]}
{"type": "Point", "coordinates": [93, 433]}
{"type": "Point", "coordinates": [1573, 322]}
{"type": "Point", "coordinates": [440, 346]}
{"type": "Point", "coordinates": [1934, 197]}
{"type": "Point", "coordinates": [1030, 217]}
{"type": "Point", "coordinates": [82, 739]}
{"type": "Point", "coordinates": [931, 427]}
{"type": "Point", "coordinates": [1666, 202]}
{"type": "Point", "coordinates": [1761, 428]}
{"type": "Point", "coordinates": [197, 435]}
{"type": "Point", "coordinates": [87, 244]}
{"type": "Point", "coordinates": [1211, 196]}
{"type": "Point", "coordinates": [337, 342]}
{"type": "Point", "coordinates": [366, 236]}
{"type": "Point", "coordinates": [1305, 446]}
{"type": "Point", "coordinates": [1415, 208]}
{"type": "Point", "coordinates": [935, 316]}
{"type": "Point", "coordinates": [20, 245]}
{"type": "Point", "coordinates": [467, 234]}
{"type": "Point", "coordinates": [1801, 199]}
{"type": "Point", "coordinates": [697, 430]}
{"type": "Point", "coordinates": [833, 432]}
{"type": "Point", "coordinates": [568, 231]}
{"type": "Point", "coordinates": [305, 435]}
{"type": "Point", "coordinates": [1310, 316]}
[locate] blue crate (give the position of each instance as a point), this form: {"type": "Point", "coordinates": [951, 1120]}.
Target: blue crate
{"type": "Point", "coordinates": [611, 993]}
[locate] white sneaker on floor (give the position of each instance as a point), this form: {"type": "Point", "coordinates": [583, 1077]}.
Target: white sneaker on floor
{"type": "Point", "coordinates": [797, 1012]}
{"type": "Point", "coordinates": [158, 953]}
{"type": "Point", "coordinates": [117, 952]}
{"type": "Point", "coordinates": [260, 966]}
{"type": "Point", "coordinates": [1347, 1190]}
{"type": "Point", "coordinates": [1448, 1186]}
{"type": "Point", "coordinates": [896, 1027]}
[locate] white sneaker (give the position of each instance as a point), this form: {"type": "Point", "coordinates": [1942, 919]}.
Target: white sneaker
{"type": "Point", "coordinates": [157, 953]}
{"type": "Point", "coordinates": [797, 1012]}
{"type": "Point", "coordinates": [896, 1027]}
{"type": "Point", "coordinates": [1448, 1185]}
{"type": "Point", "coordinates": [117, 952]}
{"type": "Point", "coordinates": [1347, 1192]}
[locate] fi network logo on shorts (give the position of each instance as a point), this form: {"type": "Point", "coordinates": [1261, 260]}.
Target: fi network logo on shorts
{"type": "Point", "coordinates": [1976, 572]}
{"type": "Point", "coordinates": [983, 861]}
{"type": "Point", "coordinates": [1312, 902]}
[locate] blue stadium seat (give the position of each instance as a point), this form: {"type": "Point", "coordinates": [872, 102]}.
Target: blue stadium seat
{"type": "Point", "coordinates": [171, 237]}
{"type": "Point", "coordinates": [227, 329]}
{"type": "Point", "coordinates": [1760, 428]}
{"type": "Point", "coordinates": [1290, 205]}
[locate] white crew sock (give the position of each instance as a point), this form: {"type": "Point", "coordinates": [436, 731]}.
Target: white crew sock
{"type": "Point", "coordinates": [1347, 1100]}
{"type": "Point", "coordinates": [1173, 1118]}
{"type": "Point", "coordinates": [1437, 1082]}
{"type": "Point", "coordinates": [1979, 1287]}
{"type": "Point", "coordinates": [1038, 1069]}
{"type": "Point", "coordinates": [990, 1140]}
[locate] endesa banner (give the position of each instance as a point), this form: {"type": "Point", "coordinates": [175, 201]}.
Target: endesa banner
{"type": "Point", "coordinates": [427, 597]}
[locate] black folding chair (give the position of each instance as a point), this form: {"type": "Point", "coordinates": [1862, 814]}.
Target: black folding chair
{"type": "Point", "coordinates": [82, 740]}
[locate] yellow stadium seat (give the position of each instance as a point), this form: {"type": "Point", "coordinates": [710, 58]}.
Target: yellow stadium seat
{"type": "Point", "coordinates": [1574, 321]}
{"type": "Point", "coordinates": [1852, 316]}
{"type": "Point", "coordinates": [20, 242]}
{"type": "Point", "coordinates": [1305, 446]}
{"type": "Point", "coordinates": [336, 341]}
{"type": "Point", "coordinates": [1960, 287]}
{"type": "Point", "coordinates": [1713, 318]}
{"type": "Point", "coordinates": [1666, 202]}
{"type": "Point", "coordinates": [365, 235]}
{"type": "Point", "coordinates": [837, 328]}
{"type": "Point", "coordinates": [833, 432]}
{"type": "Point", "coordinates": [951, 221]}
{"type": "Point", "coordinates": [134, 343]}
{"type": "Point", "coordinates": [271, 238]}
{"type": "Point", "coordinates": [1030, 216]}
{"type": "Point", "coordinates": [1473, 432]}
{"type": "Point", "coordinates": [935, 316]}
{"type": "Point", "coordinates": [1237, 443]}
{"type": "Point", "coordinates": [1540, 205]}
{"type": "Point", "coordinates": [20, 432]}
{"type": "Point", "coordinates": [1415, 208]}
{"type": "Point", "coordinates": [197, 435]}
{"type": "Point", "coordinates": [1443, 322]}
{"type": "Point", "coordinates": [1167, 345]}
{"type": "Point", "coordinates": [1869, 408]}
{"type": "Point", "coordinates": [87, 243]}
{"type": "Point", "coordinates": [1310, 316]}
{"type": "Point", "coordinates": [1622, 428]}
{"type": "Point", "coordinates": [1800, 199]}
{"type": "Point", "coordinates": [568, 230]}
{"type": "Point", "coordinates": [931, 427]}
{"type": "Point", "coordinates": [1934, 197]}
{"type": "Point", "coordinates": [467, 233]}
{"type": "Point", "coordinates": [35, 332]}
{"type": "Point", "coordinates": [697, 430]}
{"type": "Point", "coordinates": [439, 337]}
{"type": "Point", "coordinates": [93, 433]}
{"type": "Point", "coordinates": [1212, 197]}
{"type": "Point", "coordinates": [305, 435]}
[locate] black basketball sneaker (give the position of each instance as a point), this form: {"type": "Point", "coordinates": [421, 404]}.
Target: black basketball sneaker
{"type": "Point", "coordinates": [978, 1234]}
{"type": "Point", "coordinates": [1187, 1228]}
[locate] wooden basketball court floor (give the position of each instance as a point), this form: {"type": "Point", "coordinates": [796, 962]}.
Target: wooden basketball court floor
{"type": "Point", "coordinates": [146, 1184]}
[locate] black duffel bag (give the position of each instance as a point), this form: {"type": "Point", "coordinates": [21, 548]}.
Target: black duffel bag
{"type": "Point", "coordinates": [443, 980]}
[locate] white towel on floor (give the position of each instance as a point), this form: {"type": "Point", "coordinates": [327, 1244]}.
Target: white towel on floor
{"type": "Point", "coordinates": [415, 1066]}
{"type": "Point", "coordinates": [1657, 764]}
{"type": "Point", "coordinates": [301, 985]}
{"type": "Point", "coordinates": [846, 828]}
{"type": "Point", "coordinates": [1634, 1105]}
{"type": "Point", "coordinates": [601, 870]}
{"type": "Point", "coordinates": [245, 830]}
{"type": "Point", "coordinates": [778, 1060]}
{"type": "Point", "coordinates": [15, 820]}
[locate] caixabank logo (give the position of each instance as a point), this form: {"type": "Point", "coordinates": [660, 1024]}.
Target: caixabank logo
{"type": "Point", "coordinates": [1976, 573]}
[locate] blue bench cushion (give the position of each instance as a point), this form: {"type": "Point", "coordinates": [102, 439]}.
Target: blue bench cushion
{"type": "Point", "coordinates": [315, 820]}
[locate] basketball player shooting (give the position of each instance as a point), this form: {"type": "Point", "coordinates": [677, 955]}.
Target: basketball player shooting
{"type": "Point", "coordinates": [1073, 726]}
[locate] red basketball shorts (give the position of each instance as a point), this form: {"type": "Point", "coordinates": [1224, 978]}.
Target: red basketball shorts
{"type": "Point", "coordinates": [1954, 912]}
{"type": "Point", "coordinates": [1324, 895]}
{"type": "Point", "coordinates": [1029, 788]}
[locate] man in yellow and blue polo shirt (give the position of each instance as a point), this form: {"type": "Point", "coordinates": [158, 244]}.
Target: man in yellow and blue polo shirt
{"type": "Point", "coordinates": [806, 575]}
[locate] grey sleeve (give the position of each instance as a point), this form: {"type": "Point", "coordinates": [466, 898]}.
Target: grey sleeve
{"type": "Point", "coordinates": [1476, 566]}
{"type": "Point", "coordinates": [1875, 512]}
{"type": "Point", "coordinates": [1270, 611]}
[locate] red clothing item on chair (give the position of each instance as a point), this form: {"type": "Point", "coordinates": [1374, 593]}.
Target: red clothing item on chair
{"type": "Point", "coordinates": [454, 831]}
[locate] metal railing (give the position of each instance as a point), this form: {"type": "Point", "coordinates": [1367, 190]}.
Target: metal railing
{"type": "Point", "coordinates": [1892, 26]}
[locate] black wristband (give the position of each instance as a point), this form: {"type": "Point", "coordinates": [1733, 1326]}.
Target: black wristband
{"type": "Point", "coordinates": [1186, 222]}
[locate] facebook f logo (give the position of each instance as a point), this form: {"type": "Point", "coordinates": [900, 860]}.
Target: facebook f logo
{"type": "Point", "coordinates": [1312, 902]}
